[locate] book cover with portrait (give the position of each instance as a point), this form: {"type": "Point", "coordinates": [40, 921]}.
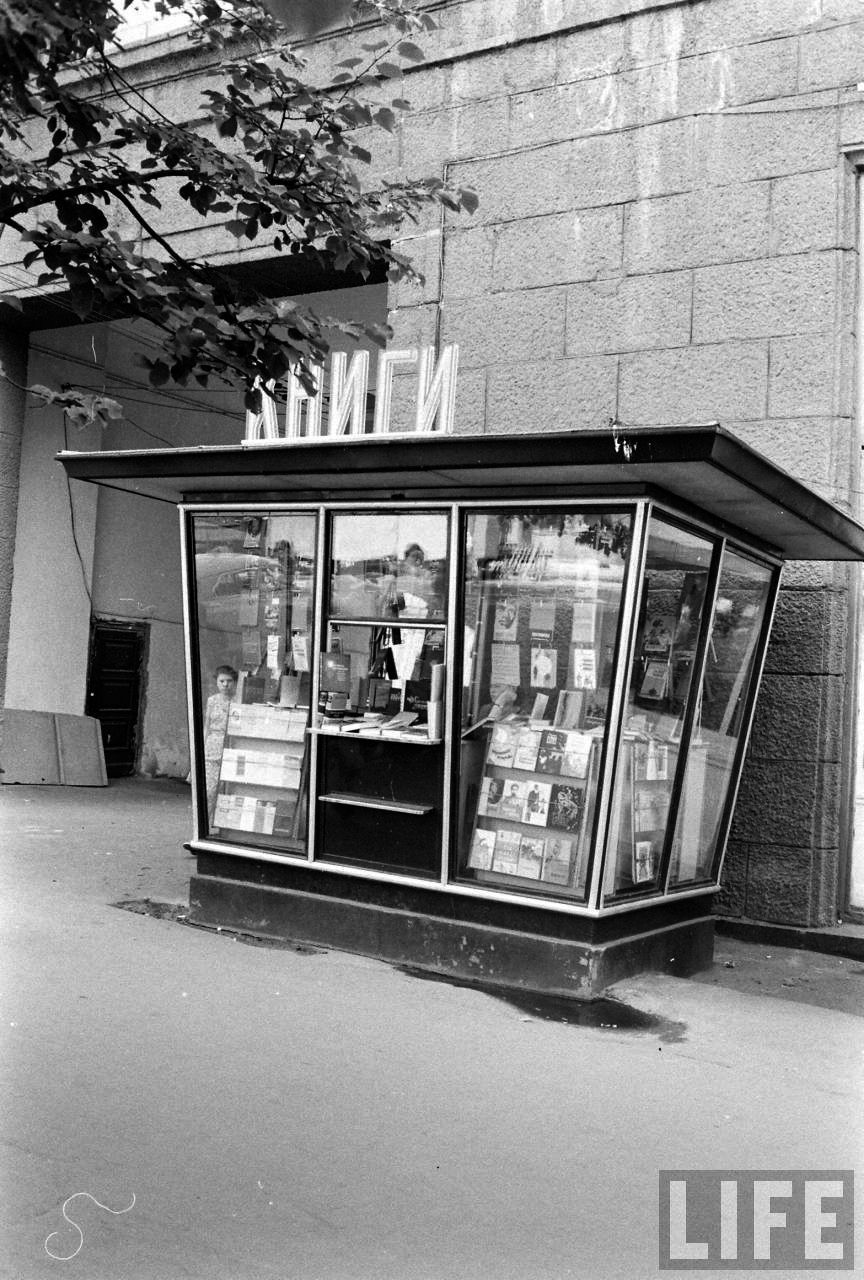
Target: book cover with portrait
{"type": "Point", "coordinates": [512, 804]}
{"type": "Point", "coordinates": [551, 753]}
{"type": "Point", "coordinates": [491, 793]}
{"type": "Point", "coordinates": [537, 797]}
{"type": "Point", "coordinates": [506, 619]}
{"type": "Point", "coordinates": [544, 662]}
{"type": "Point", "coordinates": [566, 806]}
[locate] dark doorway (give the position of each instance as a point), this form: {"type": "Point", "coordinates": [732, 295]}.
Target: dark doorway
{"type": "Point", "coordinates": [114, 690]}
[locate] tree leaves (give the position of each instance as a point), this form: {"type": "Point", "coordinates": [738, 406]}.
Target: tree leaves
{"type": "Point", "coordinates": [283, 157]}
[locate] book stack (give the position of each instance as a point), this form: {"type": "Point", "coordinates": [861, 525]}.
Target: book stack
{"type": "Point", "coordinates": [260, 720]}
{"type": "Point", "coordinates": [245, 813]}
{"type": "Point", "coordinates": [263, 768]}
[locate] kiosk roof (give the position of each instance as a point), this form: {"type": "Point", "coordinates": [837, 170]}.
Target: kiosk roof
{"type": "Point", "coordinates": [704, 469]}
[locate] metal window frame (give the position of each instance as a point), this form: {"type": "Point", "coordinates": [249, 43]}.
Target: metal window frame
{"type": "Point", "coordinates": [642, 509]}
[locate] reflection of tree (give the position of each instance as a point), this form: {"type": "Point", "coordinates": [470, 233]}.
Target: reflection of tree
{"type": "Point", "coordinates": [608, 534]}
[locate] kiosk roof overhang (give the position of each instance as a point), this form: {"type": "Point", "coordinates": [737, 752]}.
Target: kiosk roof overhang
{"type": "Point", "coordinates": [703, 469]}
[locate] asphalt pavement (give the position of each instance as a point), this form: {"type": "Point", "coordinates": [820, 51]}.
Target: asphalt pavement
{"type": "Point", "coordinates": [243, 1112]}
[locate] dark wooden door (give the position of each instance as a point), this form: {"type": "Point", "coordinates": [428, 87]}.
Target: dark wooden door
{"type": "Point", "coordinates": [114, 691]}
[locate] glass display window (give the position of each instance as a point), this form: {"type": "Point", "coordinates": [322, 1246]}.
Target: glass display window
{"type": "Point", "coordinates": [742, 601]}
{"type": "Point", "coordinates": [377, 672]}
{"type": "Point", "coordinates": [389, 565]}
{"type": "Point", "coordinates": [380, 748]}
{"type": "Point", "coordinates": [672, 600]}
{"type": "Point", "coordinates": [586, 713]}
{"type": "Point", "coordinates": [254, 591]}
{"type": "Point", "coordinates": [542, 596]}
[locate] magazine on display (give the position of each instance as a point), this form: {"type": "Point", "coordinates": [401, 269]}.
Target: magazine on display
{"type": "Point", "coordinates": [542, 615]}
{"type": "Point", "coordinates": [506, 619]}
{"type": "Point", "coordinates": [654, 681]}
{"type": "Point", "coordinates": [577, 753]}
{"type": "Point", "coordinates": [544, 662]}
{"type": "Point", "coordinates": [502, 745]}
{"type": "Point", "coordinates": [512, 804]}
{"type": "Point", "coordinates": [537, 797]}
{"type": "Point", "coordinates": [506, 855]}
{"type": "Point", "coordinates": [482, 850]}
{"type": "Point", "coordinates": [551, 754]}
{"type": "Point", "coordinates": [491, 795]}
{"type": "Point", "coordinates": [558, 860]}
{"type": "Point", "coordinates": [643, 861]}
{"type": "Point", "coordinates": [506, 664]}
{"type": "Point", "coordinates": [568, 711]}
{"type": "Point", "coordinates": [584, 664]}
{"type": "Point", "coordinates": [584, 622]}
{"type": "Point", "coordinates": [566, 807]}
{"type": "Point", "coordinates": [531, 851]}
{"type": "Point", "coordinates": [527, 746]}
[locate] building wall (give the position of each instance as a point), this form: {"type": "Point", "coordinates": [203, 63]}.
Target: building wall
{"type": "Point", "coordinates": [130, 566]}
{"type": "Point", "coordinates": [666, 234]}
{"type": "Point", "coordinates": [13, 358]}
{"type": "Point", "coordinates": [54, 539]}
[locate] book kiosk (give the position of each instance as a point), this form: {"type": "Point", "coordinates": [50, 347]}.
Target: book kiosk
{"type": "Point", "coordinates": [485, 700]}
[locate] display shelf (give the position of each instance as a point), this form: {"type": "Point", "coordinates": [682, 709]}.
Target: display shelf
{"type": "Point", "coordinates": [532, 823]}
{"type": "Point", "coordinates": [426, 622]}
{"type": "Point", "coordinates": [418, 738]}
{"type": "Point", "coordinates": [370, 802]}
{"type": "Point", "coordinates": [262, 773]}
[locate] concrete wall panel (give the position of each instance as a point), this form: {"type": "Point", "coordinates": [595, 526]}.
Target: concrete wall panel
{"type": "Point", "coordinates": [694, 384]}
{"type": "Point", "coordinates": [811, 376]}
{"type": "Point", "coordinates": [552, 395]}
{"type": "Point", "coordinates": [720, 224]}
{"type": "Point", "coordinates": [630, 314]}
{"type": "Point", "coordinates": [580, 245]}
{"type": "Point", "coordinates": [794, 295]}
{"type": "Point", "coordinates": [779, 140]}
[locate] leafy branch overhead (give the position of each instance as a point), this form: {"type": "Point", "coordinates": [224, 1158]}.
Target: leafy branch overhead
{"type": "Point", "coordinates": [84, 151]}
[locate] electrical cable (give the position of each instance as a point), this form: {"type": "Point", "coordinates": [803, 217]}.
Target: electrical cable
{"type": "Point", "coordinates": [72, 520]}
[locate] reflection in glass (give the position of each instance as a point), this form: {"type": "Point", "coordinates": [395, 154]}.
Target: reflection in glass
{"type": "Point", "coordinates": [383, 671]}
{"type": "Point", "coordinates": [672, 600]}
{"type": "Point", "coordinates": [542, 597]}
{"type": "Point", "coordinates": [380, 755]}
{"type": "Point", "coordinates": [254, 592]}
{"type": "Point", "coordinates": [389, 565]}
{"type": "Point", "coordinates": [742, 598]}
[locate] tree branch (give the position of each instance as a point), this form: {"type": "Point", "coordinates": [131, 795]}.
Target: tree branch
{"type": "Point", "coordinates": [104, 186]}
{"type": "Point", "coordinates": [152, 232]}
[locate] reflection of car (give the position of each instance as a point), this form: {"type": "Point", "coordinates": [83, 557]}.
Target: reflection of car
{"type": "Point", "coordinates": [224, 581]}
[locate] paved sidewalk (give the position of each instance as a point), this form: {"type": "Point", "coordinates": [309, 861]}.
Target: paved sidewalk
{"type": "Point", "coordinates": [141, 824]}
{"type": "Point", "coordinates": [281, 1115]}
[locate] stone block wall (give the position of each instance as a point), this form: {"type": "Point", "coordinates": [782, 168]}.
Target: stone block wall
{"type": "Point", "coordinates": [665, 235]}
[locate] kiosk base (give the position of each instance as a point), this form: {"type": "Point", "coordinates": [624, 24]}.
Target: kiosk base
{"type": "Point", "coordinates": [579, 968]}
